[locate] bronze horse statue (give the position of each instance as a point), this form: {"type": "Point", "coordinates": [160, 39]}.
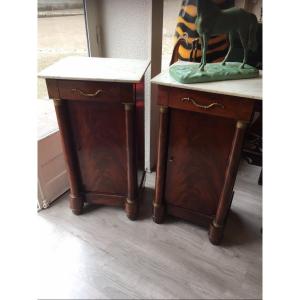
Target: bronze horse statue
{"type": "Point", "coordinates": [211, 20]}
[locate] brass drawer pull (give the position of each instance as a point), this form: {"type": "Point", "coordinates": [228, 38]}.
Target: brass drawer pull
{"type": "Point", "coordinates": [87, 94]}
{"type": "Point", "coordinates": [191, 100]}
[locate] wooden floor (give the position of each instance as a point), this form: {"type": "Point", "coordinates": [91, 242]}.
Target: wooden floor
{"type": "Point", "coordinates": [101, 254]}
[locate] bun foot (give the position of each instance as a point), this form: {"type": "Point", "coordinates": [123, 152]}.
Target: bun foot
{"type": "Point", "coordinates": [158, 214]}
{"type": "Point", "coordinates": [215, 233]}
{"type": "Point", "coordinates": [132, 209]}
{"type": "Point", "coordinates": [77, 212]}
{"type": "Point", "coordinates": [76, 205]}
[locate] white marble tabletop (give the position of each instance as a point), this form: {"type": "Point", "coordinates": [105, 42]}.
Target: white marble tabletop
{"type": "Point", "coordinates": [97, 69]}
{"type": "Point", "coordinates": [247, 88]}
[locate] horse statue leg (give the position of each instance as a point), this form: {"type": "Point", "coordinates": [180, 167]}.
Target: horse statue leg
{"type": "Point", "coordinates": [193, 56]}
{"type": "Point", "coordinates": [193, 51]}
{"type": "Point", "coordinates": [244, 40]}
{"type": "Point", "coordinates": [230, 35]}
{"type": "Point", "coordinates": [204, 49]}
{"type": "Point", "coordinates": [201, 43]}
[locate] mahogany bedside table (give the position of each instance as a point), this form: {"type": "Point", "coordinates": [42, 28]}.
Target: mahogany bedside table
{"type": "Point", "coordinates": [201, 133]}
{"type": "Point", "coordinates": [99, 104]}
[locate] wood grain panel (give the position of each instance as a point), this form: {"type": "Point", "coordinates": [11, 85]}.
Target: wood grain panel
{"type": "Point", "coordinates": [52, 87]}
{"type": "Point", "coordinates": [75, 90]}
{"type": "Point", "coordinates": [105, 199]}
{"type": "Point", "coordinates": [231, 107]}
{"type": "Point", "coordinates": [199, 147]}
{"type": "Point", "coordinates": [99, 134]}
{"type": "Point", "coordinates": [190, 215]}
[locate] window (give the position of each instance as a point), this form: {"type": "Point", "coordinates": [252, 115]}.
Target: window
{"type": "Point", "coordinates": [61, 33]}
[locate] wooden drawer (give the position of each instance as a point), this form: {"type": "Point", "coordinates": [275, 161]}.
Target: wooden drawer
{"type": "Point", "coordinates": [213, 104]}
{"type": "Point", "coordinates": [90, 90]}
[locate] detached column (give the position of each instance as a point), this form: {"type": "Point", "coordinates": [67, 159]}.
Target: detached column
{"type": "Point", "coordinates": [76, 199]}
{"type": "Point", "coordinates": [158, 207]}
{"type": "Point", "coordinates": [216, 229]}
{"type": "Point", "coordinates": [131, 205]}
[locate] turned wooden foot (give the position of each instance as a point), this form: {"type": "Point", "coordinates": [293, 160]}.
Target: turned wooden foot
{"type": "Point", "coordinates": [77, 212]}
{"type": "Point", "coordinates": [76, 205]}
{"type": "Point", "coordinates": [131, 208]}
{"type": "Point", "coordinates": [215, 233]}
{"type": "Point", "coordinates": [158, 214]}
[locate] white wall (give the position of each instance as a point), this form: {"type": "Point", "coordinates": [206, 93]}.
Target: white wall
{"type": "Point", "coordinates": [125, 28]}
{"type": "Point", "coordinates": [130, 29]}
{"type": "Point", "coordinates": [254, 6]}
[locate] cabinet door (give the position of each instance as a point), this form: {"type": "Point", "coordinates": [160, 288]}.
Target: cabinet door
{"type": "Point", "coordinates": [98, 130]}
{"type": "Point", "coordinates": [198, 151]}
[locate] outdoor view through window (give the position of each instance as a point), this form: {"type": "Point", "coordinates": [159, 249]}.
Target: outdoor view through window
{"type": "Point", "coordinates": [61, 33]}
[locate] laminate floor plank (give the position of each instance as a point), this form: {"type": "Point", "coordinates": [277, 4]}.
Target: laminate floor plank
{"type": "Point", "coordinates": [103, 255]}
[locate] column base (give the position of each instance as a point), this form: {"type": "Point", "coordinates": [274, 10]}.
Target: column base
{"type": "Point", "coordinates": [131, 209]}
{"type": "Point", "coordinates": [158, 214]}
{"type": "Point", "coordinates": [77, 212]}
{"type": "Point", "coordinates": [215, 233]}
{"type": "Point", "coordinates": [76, 205]}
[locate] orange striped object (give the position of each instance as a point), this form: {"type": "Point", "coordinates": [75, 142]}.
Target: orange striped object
{"type": "Point", "coordinates": [217, 45]}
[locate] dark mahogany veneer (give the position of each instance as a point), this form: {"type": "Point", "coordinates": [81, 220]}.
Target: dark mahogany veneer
{"type": "Point", "coordinates": [103, 141]}
{"type": "Point", "coordinates": [198, 155]}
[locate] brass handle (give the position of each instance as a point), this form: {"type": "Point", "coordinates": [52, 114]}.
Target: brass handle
{"type": "Point", "coordinates": [191, 100]}
{"type": "Point", "coordinates": [87, 94]}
